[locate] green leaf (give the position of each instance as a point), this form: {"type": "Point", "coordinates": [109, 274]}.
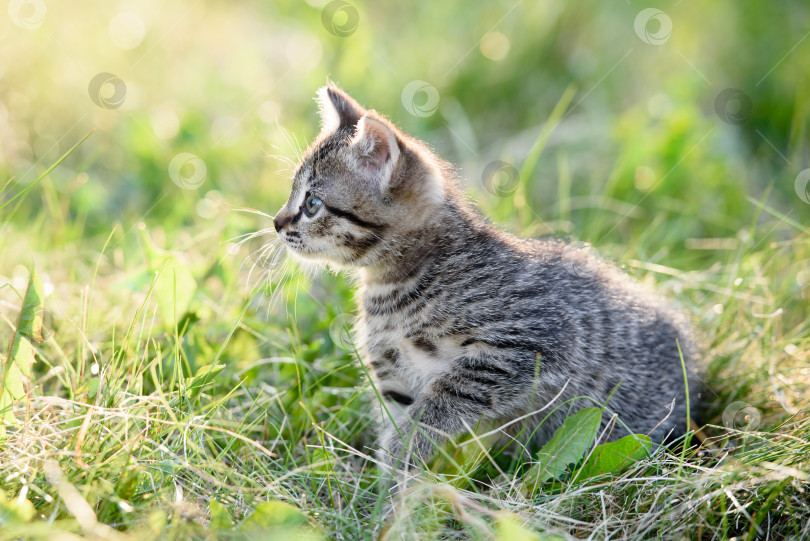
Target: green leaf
{"type": "Point", "coordinates": [568, 445]}
{"type": "Point", "coordinates": [30, 322]}
{"type": "Point", "coordinates": [615, 456]}
{"type": "Point", "coordinates": [220, 517]}
{"type": "Point", "coordinates": [204, 376]}
{"type": "Point", "coordinates": [508, 528]}
{"type": "Point", "coordinates": [281, 520]}
{"type": "Point", "coordinates": [14, 512]}
{"type": "Point", "coordinates": [17, 366]}
{"type": "Point", "coordinates": [20, 368]}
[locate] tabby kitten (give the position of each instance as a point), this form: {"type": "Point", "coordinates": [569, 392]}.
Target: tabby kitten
{"type": "Point", "coordinates": [461, 323]}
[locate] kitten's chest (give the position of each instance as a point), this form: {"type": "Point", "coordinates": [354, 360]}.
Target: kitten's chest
{"type": "Point", "coordinates": [396, 346]}
{"type": "Point", "coordinates": [393, 350]}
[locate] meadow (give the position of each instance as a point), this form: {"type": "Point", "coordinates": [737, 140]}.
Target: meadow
{"type": "Point", "coordinates": [167, 373]}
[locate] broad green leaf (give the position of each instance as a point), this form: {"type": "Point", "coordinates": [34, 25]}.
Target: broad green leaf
{"type": "Point", "coordinates": [615, 456]}
{"type": "Point", "coordinates": [30, 322]}
{"type": "Point", "coordinates": [13, 512]}
{"type": "Point", "coordinates": [508, 528]}
{"type": "Point", "coordinates": [17, 366]}
{"type": "Point", "coordinates": [20, 368]}
{"type": "Point", "coordinates": [568, 445]}
{"type": "Point", "coordinates": [220, 517]}
{"type": "Point", "coordinates": [279, 520]}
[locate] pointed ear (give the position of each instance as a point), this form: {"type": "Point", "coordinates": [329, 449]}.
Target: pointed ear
{"type": "Point", "coordinates": [376, 149]}
{"type": "Point", "coordinates": [338, 109]}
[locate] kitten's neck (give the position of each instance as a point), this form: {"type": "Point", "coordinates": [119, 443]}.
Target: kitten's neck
{"type": "Point", "coordinates": [453, 227]}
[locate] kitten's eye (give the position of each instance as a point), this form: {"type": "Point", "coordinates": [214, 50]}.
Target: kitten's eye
{"type": "Point", "coordinates": [312, 205]}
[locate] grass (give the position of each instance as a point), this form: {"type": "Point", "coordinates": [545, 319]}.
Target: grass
{"type": "Point", "coordinates": [188, 384]}
{"type": "Point", "coordinates": [150, 409]}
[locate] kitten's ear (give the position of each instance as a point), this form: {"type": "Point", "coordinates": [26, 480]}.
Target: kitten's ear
{"type": "Point", "coordinates": [338, 109]}
{"type": "Point", "coordinates": [376, 149]}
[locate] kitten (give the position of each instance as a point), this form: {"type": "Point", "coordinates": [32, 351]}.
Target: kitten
{"type": "Point", "coordinates": [461, 323]}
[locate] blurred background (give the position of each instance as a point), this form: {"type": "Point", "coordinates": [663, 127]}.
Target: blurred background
{"type": "Point", "coordinates": [676, 115]}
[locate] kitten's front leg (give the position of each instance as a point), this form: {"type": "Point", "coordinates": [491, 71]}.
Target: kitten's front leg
{"type": "Point", "coordinates": [474, 389]}
{"type": "Point", "coordinates": [390, 452]}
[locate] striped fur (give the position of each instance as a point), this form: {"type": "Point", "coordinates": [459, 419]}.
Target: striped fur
{"type": "Point", "coordinates": [461, 323]}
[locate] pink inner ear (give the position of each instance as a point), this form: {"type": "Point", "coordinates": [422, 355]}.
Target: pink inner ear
{"type": "Point", "coordinates": [378, 151]}
{"type": "Point", "coordinates": [381, 157]}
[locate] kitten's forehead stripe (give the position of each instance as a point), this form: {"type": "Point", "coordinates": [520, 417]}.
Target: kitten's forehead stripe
{"type": "Point", "coordinates": [330, 145]}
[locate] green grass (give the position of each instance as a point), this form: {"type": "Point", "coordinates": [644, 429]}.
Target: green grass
{"type": "Point", "coordinates": [113, 405]}
{"type": "Point", "coordinates": [189, 386]}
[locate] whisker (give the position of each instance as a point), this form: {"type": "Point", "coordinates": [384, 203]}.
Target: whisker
{"type": "Point", "coordinates": [286, 274]}
{"type": "Point", "coordinates": [252, 235]}
{"type": "Point", "coordinates": [258, 260]}
{"type": "Point", "coordinates": [253, 211]}
{"type": "Point", "coordinates": [287, 137]}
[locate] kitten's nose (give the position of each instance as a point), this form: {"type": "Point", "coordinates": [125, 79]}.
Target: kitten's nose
{"type": "Point", "coordinates": [281, 220]}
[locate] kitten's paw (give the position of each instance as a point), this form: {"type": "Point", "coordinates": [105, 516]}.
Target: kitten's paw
{"type": "Point", "coordinates": [393, 450]}
{"type": "Point", "coordinates": [407, 455]}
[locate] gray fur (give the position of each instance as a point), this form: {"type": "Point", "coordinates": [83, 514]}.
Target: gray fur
{"type": "Point", "coordinates": [461, 323]}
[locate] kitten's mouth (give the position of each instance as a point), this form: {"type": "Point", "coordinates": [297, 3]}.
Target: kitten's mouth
{"type": "Point", "coordinates": [297, 247]}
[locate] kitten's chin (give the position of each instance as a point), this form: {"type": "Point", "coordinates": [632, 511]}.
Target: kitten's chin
{"type": "Point", "coordinates": [319, 259]}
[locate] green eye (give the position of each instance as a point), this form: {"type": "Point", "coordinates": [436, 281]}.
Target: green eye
{"type": "Point", "coordinates": [312, 205]}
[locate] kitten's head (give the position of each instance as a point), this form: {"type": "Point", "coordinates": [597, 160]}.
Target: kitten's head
{"type": "Point", "coordinates": [360, 189]}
